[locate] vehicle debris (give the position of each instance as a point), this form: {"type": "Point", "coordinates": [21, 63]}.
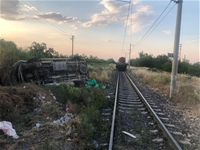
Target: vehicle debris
{"type": "Point", "coordinates": [50, 71]}
{"type": "Point", "coordinates": [129, 134]}
{"type": "Point", "coordinates": [6, 126]}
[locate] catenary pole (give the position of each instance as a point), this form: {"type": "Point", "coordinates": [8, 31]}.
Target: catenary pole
{"type": "Point", "coordinates": [129, 57]}
{"type": "Point", "coordinates": [176, 48]}
{"type": "Point", "coordinates": [180, 52]}
{"type": "Point", "coordinates": [72, 45]}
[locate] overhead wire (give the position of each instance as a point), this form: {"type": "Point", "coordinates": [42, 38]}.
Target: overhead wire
{"type": "Point", "coordinates": [145, 35]}
{"type": "Point", "coordinates": [192, 42]}
{"type": "Point", "coordinates": [131, 10]}
{"type": "Point", "coordinates": [22, 3]}
{"type": "Point", "coordinates": [126, 24]}
{"type": "Point", "coordinates": [155, 26]}
{"type": "Point", "coordinates": [63, 30]}
{"type": "Point", "coordinates": [182, 45]}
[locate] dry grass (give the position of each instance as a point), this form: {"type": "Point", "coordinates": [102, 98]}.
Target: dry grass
{"type": "Point", "coordinates": [158, 81]}
{"type": "Point", "coordinates": [101, 74]}
{"type": "Point", "coordinates": [28, 104]}
{"type": "Point", "coordinates": [187, 94]}
{"type": "Point", "coordinates": [73, 107]}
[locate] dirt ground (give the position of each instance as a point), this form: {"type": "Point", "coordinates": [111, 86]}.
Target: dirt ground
{"type": "Point", "coordinates": [39, 120]}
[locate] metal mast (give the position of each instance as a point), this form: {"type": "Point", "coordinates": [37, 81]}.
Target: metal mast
{"type": "Point", "coordinates": [129, 57]}
{"type": "Point", "coordinates": [176, 48]}
{"type": "Point", "coordinates": [72, 45]}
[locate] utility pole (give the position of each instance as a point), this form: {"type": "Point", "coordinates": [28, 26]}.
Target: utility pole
{"type": "Point", "coordinates": [176, 47]}
{"type": "Point", "coordinates": [129, 57]}
{"type": "Point", "coordinates": [180, 52]}
{"type": "Point", "coordinates": [72, 45]}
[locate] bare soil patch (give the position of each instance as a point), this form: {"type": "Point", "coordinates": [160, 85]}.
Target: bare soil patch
{"type": "Point", "coordinates": [27, 105]}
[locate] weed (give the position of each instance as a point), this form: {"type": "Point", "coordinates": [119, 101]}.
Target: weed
{"type": "Point", "coordinates": [101, 73]}
{"type": "Point", "coordinates": [87, 103]}
{"type": "Point", "coordinates": [50, 144]}
{"type": "Point", "coordinates": [143, 134]}
{"type": "Point", "coordinates": [135, 114]}
{"type": "Point", "coordinates": [90, 122]}
{"type": "Point", "coordinates": [187, 93]}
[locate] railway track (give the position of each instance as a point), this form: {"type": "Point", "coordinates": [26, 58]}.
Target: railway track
{"type": "Point", "coordinates": [138, 123]}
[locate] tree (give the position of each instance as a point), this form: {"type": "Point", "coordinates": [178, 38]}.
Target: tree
{"type": "Point", "coordinates": [160, 60]}
{"type": "Point", "coordinates": [37, 50]}
{"type": "Point", "coordinates": [194, 69]}
{"type": "Point", "coordinates": [135, 62]}
{"type": "Point", "coordinates": [110, 61]}
{"type": "Point", "coordinates": [50, 53]}
{"type": "Point", "coordinates": [183, 67]}
{"type": "Point", "coordinates": [167, 66]}
{"type": "Point", "coordinates": [9, 54]}
{"type": "Point", "coordinates": [145, 60]}
{"type": "Point", "coordinates": [40, 51]}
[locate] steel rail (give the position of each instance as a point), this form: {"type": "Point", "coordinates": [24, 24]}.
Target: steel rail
{"type": "Point", "coordinates": [165, 131]}
{"type": "Point", "coordinates": [113, 117]}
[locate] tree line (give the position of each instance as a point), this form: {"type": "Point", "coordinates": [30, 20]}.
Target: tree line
{"type": "Point", "coordinates": [10, 54]}
{"type": "Point", "coordinates": [164, 63]}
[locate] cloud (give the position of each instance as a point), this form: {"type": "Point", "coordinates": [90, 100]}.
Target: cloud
{"type": "Point", "coordinates": [108, 41]}
{"type": "Point", "coordinates": [140, 18]}
{"type": "Point", "coordinates": [109, 15]}
{"type": "Point", "coordinates": [15, 10]}
{"type": "Point", "coordinates": [74, 27]}
{"type": "Point", "coordinates": [112, 12]}
{"type": "Point", "coordinates": [10, 10]}
{"type": "Point", "coordinates": [56, 17]}
{"type": "Point", "coordinates": [27, 8]}
{"type": "Point", "coordinates": [135, 2]}
{"type": "Point", "coordinates": [190, 42]}
{"type": "Point", "coordinates": [110, 7]}
{"type": "Point", "coordinates": [167, 31]}
{"type": "Point", "coordinates": [116, 12]}
{"type": "Point", "coordinates": [144, 9]}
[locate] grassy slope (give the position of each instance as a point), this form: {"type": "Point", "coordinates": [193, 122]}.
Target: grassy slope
{"type": "Point", "coordinates": [187, 94]}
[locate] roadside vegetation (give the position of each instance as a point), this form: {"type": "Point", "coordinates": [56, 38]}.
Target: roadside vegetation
{"type": "Point", "coordinates": [163, 63]}
{"type": "Point", "coordinates": [87, 104]}
{"type": "Point", "coordinates": [155, 72]}
{"type": "Point", "coordinates": [10, 54]}
{"type": "Point", "coordinates": [35, 110]}
{"type": "Point", "coordinates": [27, 104]}
{"type": "Point", "coordinates": [187, 93]}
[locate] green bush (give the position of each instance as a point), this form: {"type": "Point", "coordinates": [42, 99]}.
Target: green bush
{"type": "Point", "coordinates": [162, 62]}
{"type": "Point", "coordinates": [183, 67]}
{"type": "Point", "coordinates": [162, 80]}
{"type": "Point", "coordinates": [159, 61]}
{"type": "Point", "coordinates": [187, 93]}
{"type": "Point", "coordinates": [88, 97]}
{"type": "Point", "coordinates": [194, 69]}
{"type": "Point", "coordinates": [167, 66]}
{"type": "Point", "coordinates": [65, 92]}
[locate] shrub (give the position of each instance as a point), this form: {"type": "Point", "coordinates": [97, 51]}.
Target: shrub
{"type": "Point", "coordinates": [183, 67]}
{"type": "Point", "coordinates": [167, 66]}
{"type": "Point", "coordinates": [195, 69]}
{"type": "Point", "coordinates": [187, 95]}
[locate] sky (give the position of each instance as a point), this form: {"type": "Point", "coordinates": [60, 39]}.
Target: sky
{"type": "Point", "coordinates": [102, 28]}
